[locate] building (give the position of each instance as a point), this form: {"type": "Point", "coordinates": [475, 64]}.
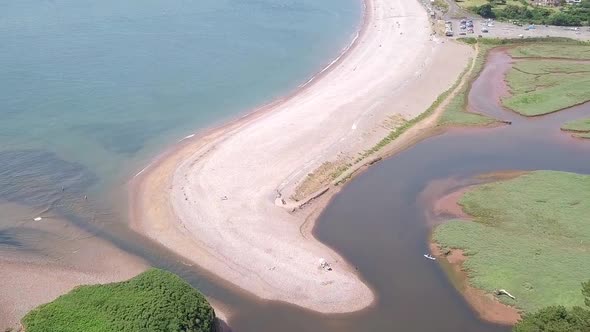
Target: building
{"type": "Point", "coordinates": [548, 3]}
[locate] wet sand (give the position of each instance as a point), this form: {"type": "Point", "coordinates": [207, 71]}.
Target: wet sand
{"type": "Point", "coordinates": [50, 257]}
{"type": "Point", "coordinates": [222, 198]}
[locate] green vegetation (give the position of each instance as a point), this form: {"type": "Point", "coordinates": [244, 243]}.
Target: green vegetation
{"type": "Point", "coordinates": [555, 41]}
{"type": "Point", "coordinates": [582, 125]}
{"type": "Point", "coordinates": [153, 301]}
{"type": "Point", "coordinates": [529, 235]}
{"type": "Point", "coordinates": [575, 51]}
{"type": "Point", "coordinates": [539, 86]}
{"type": "Point", "coordinates": [558, 318]}
{"type": "Point", "coordinates": [466, 4]}
{"type": "Point", "coordinates": [398, 131]}
{"type": "Point", "coordinates": [395, 133]}
{"type": "Point", "coordinates": [456, 113]}
{"type": "Point", "coordinates": [525, 13]}
{"type": "Point", "coordinates": [441, 5]}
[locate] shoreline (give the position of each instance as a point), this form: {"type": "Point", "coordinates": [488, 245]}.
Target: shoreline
{"type": "Point", "coordinates": [75, 257]}
{"type": "Point", "coordinates": [154, 212]}
{"type": "Point", "coordinates": [485, 305]}
{"type": "Point", "coordinates": [251, 115]}
{"type": "Point", "coordinates": [208, 134]}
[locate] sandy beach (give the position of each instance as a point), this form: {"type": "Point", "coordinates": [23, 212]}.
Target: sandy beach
{"type": "Point", "coordinates": [223, 198]}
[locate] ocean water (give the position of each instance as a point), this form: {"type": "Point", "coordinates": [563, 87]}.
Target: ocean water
{"type": "Point", "coordinates": [90, 91]}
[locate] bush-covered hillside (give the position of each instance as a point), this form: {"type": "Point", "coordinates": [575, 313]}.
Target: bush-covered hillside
{"type": "Point", "coordinates": [155, 300]}
{"type": "Point", "coordinates": [525, 13]}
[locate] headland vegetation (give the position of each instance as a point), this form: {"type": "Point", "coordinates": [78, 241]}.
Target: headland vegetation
{"type": "Point", "coordinates": [154, 300]}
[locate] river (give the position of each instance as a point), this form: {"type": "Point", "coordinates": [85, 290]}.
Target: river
{"type": "Point", "coordinates": [379, 221]}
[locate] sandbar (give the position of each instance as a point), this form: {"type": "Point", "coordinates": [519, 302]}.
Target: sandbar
{"type": "Point", "coordinates": [223, 197]}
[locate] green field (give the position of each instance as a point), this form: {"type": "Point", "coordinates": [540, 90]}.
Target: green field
{"type": "Point", "coordinates": [581, 127]}
{"type": "Point", "coordinates": [547, 50]}
{"type": "Point", "coordinates": [455, 113]}
{"type": "Point", "coordinates": [530, 235]}
{"type": "Point", "coordinates": [153, 301]}
{"type": "Point", "coordinates": [544, 86]}
{"type": "Point", "coordinates": [468, 4]}
{"type": "Point", "coordinates": [471, 3]}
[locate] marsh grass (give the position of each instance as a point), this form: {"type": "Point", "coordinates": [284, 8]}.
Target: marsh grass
{"type": "Point", "coordinates": [582, 125]}
{"type": "Point", "coordinates": [548, 50]}
{"type": "Point", "coordinates": [539, 87]}
{"type": "Point", "coordinates": [529, 235]}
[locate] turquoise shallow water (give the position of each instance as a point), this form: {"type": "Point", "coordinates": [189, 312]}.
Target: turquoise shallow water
{"type": "Point", "coordinates": [91, 90]}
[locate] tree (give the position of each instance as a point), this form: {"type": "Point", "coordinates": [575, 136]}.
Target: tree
{"type": "Point", "coordinates": [555, 319]}
{"type": "Point", "coordinates": [564, 19]}
{"type": "Point", "coordinates": [486, 11]}
{"type": "Point", "coordinates": [154, 301]}
{"type": "Point", "coordinates": [558, 318]}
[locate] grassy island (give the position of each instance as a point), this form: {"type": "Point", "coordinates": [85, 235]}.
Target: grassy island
{"type": "Point", "coordinates": [544, 86]}
{"type": "Point", "coordinates": [529, 235]}
{"type": "Point", "coordinates": [152, 301]}
{"type": "Point", "coordinates": [581, 127]}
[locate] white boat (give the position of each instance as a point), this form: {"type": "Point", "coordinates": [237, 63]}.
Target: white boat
{"type": "Point", "coordinates": [432, 258]}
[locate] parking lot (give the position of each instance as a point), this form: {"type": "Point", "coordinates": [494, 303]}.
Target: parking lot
{"type": "Point", "coordinates": [509, 30]}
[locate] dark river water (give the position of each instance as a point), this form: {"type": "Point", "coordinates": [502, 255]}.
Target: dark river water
{"type": "Point", "coordinates": [379, 222]}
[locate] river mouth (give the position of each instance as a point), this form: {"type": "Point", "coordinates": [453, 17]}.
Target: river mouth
{"type": "Point", "coordinates": [379, 223]}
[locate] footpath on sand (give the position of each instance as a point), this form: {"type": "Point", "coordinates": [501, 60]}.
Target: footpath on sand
{"type": "Point", "coordinates": [223, 199]}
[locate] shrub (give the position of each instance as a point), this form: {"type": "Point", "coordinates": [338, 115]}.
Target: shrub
{"type": "Point", "coordinates": [558, 318]}
{"type": "Point", "coordinates": [486, 11]}
{"type": "Point", "coordinates": [152, 301]}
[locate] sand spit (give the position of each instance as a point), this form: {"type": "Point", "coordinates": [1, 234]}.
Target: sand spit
{"type": "Point", "coordinates": [222, 198]}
